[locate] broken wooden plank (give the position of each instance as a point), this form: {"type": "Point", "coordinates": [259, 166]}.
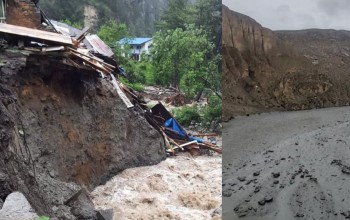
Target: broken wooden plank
{"type": "Point", "coordinates": [83, 34]}
{"type": "Point", "coordinates": [211, 147]}
{"type": "Point", "coordinates": [93, 58]}
{"type": "Point", "coordinates": [36, 34]}
{"type": "Point", "coordinates": [93, 63]}
{"type": "Point", "coordinates": [120, 93]}
{"type": "Point", "coordinates": [189, 143]}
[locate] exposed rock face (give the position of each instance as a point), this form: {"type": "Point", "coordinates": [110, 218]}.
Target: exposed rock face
{"type": "Point", "coordinates": [90, 16]}
{"type": "Point", "coordinates": [63, 132]}
{"type": "Point", "coordinates": [23, 13]}
{"type": "Point", "coordinates": [266, 70]}
{"type": "Point", "coordinates": [16, 207]}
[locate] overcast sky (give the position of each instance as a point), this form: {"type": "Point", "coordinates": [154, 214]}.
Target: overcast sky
{"type": "Point", "coordinates": [295, 14]}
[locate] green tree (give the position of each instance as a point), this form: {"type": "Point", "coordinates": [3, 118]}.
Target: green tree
{"type": "Point", "coordinates": [207, 15]}
{"type": "Point", "coordinates": [73, 24]}
{"type": "Point", "coordinates": [175, 16]}
{"type": "Point", "coordinates": [111, 32]}
{"type": "Point", "coordinates": [179, 57]}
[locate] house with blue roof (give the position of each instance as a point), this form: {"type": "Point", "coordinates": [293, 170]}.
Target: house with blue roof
{"type": "Point", "coordinates": [139, 45]}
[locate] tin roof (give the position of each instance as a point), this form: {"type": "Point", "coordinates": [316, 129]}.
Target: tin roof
{"type": "Point", "coordinates": [135, 41]}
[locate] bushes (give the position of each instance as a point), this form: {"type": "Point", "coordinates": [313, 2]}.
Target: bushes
{"type": "Point", "coordinates": [208, 116]}
{"type": "Point", "coordinates": [135, 86]}
{"type": "Point", "coordinates": [185, 115]}
{"type": "Point", "coordinates": [43, 218]}
{"type": "Point", "coordinates": [212, 113]}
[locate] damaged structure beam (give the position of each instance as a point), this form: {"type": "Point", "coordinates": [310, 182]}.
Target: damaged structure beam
{"type": "Point", "coordinates": [30, 33]}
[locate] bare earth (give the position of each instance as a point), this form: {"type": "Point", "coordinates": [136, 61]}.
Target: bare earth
{"type": "Point", "coordinates": [183, 188]}
{"type": "Point", "coordinates": [292, 165]}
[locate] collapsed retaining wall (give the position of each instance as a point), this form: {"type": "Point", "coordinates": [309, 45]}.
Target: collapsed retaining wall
{"type": "Point", "coordinates": [63, 132]}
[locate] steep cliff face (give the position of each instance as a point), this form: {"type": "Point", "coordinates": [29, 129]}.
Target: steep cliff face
{"type": "Point", "coordinates": [265, 70]}
{"type": "Point", "coordinates": [63, 132]}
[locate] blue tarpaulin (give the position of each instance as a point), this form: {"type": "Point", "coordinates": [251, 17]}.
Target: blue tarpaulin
{"type": "Point", "coordinates": [171, 123]}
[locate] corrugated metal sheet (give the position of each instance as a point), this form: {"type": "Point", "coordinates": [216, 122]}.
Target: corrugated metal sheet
{"type": "Point", "coordinates": [66, 29]}
{"type": "Point", "coordinates": [135, 41]}
{"type": "Point", "coordinates": [99, 46]}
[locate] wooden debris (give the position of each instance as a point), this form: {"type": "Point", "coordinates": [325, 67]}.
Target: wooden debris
{"type": "Point", "coordinates": [121, 94]}
{"type": "Point", "coordinates": [35, 34]}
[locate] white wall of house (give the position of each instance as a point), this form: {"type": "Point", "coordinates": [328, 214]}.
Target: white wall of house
{"type": "Point", "coordinates": [141, 49]}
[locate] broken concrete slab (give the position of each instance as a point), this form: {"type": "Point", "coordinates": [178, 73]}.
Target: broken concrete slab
{"type": "Point", "coordinates": [16, 207]}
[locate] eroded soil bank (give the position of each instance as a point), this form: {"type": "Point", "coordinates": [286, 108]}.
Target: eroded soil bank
{"type": "Point", "coordinates": [182, 187]}
{"type": "Point", "coordinates": [292, 165]}
{"type": "Point", "coordinates": [64, 132]}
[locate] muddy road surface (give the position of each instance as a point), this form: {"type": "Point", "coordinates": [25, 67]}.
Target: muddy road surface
{"type": "Point", "coordinates": [292, 165]}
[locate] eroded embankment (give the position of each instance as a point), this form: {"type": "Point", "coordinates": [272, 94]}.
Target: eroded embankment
{"type": "Point", "coordinates": [63, 130]}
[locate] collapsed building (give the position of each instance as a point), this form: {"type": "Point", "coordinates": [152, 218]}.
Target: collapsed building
{"type": "Point", "coordinates": [67, 124]}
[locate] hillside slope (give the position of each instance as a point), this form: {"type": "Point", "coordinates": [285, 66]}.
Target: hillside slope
{"type": "Point", "coordinates": [266, 70]}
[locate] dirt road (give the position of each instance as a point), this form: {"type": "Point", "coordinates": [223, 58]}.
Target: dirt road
{"type": "Point", "coordinates": [293, 165]}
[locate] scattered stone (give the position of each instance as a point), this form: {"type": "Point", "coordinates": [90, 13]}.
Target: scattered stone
{"type": "Point", "coordinates": [242, 214]}
{"type": "Point", "coordinates": [299, 215]}
{"type": "Point", "coordinates": [276, 175]}
{"type": "Point", "coordinates": [268, 199]}
{"type": "Point", "coordinates": [276, 182]}
{"type": "Point", "coordinates": [314, 179]}
{"type": "Point", "coordinates": [323, 197]}
{"type": "Point", "coordinates": [257, 189]}
{"type": "Point", "coordinates": [241, 178]}
{"type": "Point", "coordinates": [52, 174]}
{"type": "Point", "coordinates": [257, 173]}
{"type": "Point", "coordinates": [250, 181]}
{"type": "Point", "coordinates": [109, 214]}
{"type": "Point", "coordinates": [16, 206]}
{"type": "Point", "coordinates": [226, 193]}
{"type": "Point", "coordinates": [345, 170]}
{"type": "Point", "coordinates": [346, 214]}
{"type": "Point", "coordinates": [262, 202]}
